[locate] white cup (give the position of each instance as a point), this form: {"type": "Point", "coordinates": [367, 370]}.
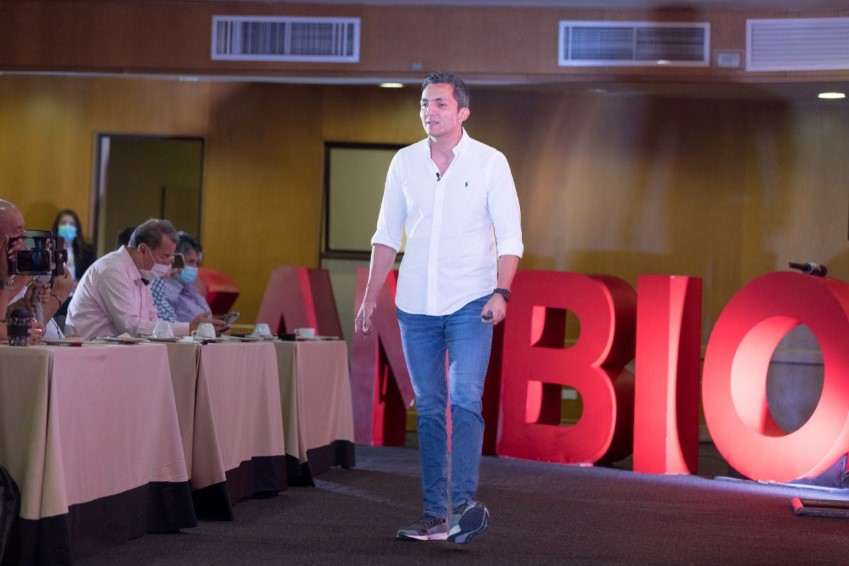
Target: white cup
{"type": "Point", "coordinates": [262, 330]}
{"type": "Point", "coordinates": [163, 329]}
{"type": "Point", "coordinates": [305, 332]}
{"type": "Point", "coordinates": [204, 331]}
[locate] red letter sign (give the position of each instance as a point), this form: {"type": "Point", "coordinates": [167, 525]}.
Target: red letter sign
{"type": "Point", "coordinates": [666, 412]}
{"type": "Point", "coordinates": [380, 383]}
{"type": "Point", "coordinates": [735, 373]}
{"type": "Point", "coordinates": [299, 296]}
{"type": "Point", "coordinates": [536, 365]}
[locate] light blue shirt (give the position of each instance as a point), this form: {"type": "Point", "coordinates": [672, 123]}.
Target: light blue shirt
{"type": "Point", "coordinates": [174, 299]}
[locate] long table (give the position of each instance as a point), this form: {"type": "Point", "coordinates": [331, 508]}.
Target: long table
{"type": "Point", "coordinates": [227, 397]}
{"type": "Point", "coordinates": [91, 436]}
{"type": "Point", "coordinates": [315, 397]}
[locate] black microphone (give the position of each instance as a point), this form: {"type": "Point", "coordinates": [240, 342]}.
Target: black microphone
{"type": "Point", "coordinates": [810, 268]}
{"type": "Point", "coordinates": [438, 176]}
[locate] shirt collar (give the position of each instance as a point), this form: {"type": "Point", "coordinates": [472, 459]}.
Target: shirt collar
{"type": "Point", "coordinates": [128, 257]}
{"type": "Point", "coordinates": [457, 149]}
{"type": "Point", "coordinates": [462, 144]}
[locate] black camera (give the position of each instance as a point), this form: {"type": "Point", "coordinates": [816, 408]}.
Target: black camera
{"type": "Point", "coordinates": [44, 254]}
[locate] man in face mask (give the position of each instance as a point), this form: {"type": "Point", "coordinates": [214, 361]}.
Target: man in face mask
{"type": "Point", "coordinates": [113, 297]}
{"type": "Point", "coordinates": [176, 298]}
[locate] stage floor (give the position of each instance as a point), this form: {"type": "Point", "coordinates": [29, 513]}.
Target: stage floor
{"type": "Point", "coordinates": [540, 514]}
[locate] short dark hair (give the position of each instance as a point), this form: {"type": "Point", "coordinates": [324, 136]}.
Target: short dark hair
{"type": "Point", "coordinates": [124, 236]}
{"type": "Point", "coordinates": [151, 233]}
{"type": "Point", "coordinates": [188, 242]}
{"type": "Point", "coordinates": [461, 91]}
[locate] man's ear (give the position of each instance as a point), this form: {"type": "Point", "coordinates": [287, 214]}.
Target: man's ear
{"type": "Point", "coordinates": [463, 114]}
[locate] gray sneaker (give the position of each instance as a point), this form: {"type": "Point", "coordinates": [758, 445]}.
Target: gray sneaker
{"type": "Point", "coordinates": [427, 527]}
{"type": "Point", "coordinates": [467, 520]}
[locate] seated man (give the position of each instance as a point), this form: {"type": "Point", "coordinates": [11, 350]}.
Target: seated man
{"type": "Point", "coordinates": [11, 240]}
{"type": "Point", "coordinates": [113, 297]}
{"type": "Point", "coordinates": [176, 298]}
{"type": "Point", "coordinates": [22, 291]}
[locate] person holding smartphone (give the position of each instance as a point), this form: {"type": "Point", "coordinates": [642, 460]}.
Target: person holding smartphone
{"type": "Point", "coordinates": [18, 290]}
{"type": "Point", "coordinates": [176, 298]}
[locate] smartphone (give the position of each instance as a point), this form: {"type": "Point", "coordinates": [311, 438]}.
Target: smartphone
{"type": "Point", "coordinates": [178, 262]}
{"type": "Point", "coordinates": [229, 318]}
{"type": "Point", "coordinates": [31, 262]}
{"type": "Point", "coordinates": [43, 255]}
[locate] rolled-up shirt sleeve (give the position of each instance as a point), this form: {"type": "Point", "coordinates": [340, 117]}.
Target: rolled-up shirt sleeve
{"type": "Point", "coordinates": [393, 210]}
{"type": "Point", "coordinates": [504, 210]}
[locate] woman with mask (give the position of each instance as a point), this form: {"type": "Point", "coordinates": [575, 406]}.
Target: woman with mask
{"type": "Point", "coordinates": [80, 254]}
{"type": "Point", "coordinates": [176, 298]}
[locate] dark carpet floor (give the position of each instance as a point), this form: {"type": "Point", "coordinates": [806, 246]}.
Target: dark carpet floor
{"type": "Point", "coordinates": [540, 514]}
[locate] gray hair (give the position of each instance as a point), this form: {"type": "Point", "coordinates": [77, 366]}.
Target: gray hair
{"type": "Point", "coordinates": [461, 91]}
{"type": "Point", "coordinates": [151, 233]}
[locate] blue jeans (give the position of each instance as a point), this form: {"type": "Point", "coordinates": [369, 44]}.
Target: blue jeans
{"type": "Point", "coordinates": [467, 341]}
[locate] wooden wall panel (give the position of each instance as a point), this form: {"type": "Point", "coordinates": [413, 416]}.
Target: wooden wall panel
{"type": "Point", "coordinates": [262, 197]}
{"type": "Point", "coordinates": [262, 205]}
{"type": "Point", "coordinates": [486, 43]}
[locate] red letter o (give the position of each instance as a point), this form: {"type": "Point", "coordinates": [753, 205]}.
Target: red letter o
{"type": "Point", "coordinates": [735, 372]}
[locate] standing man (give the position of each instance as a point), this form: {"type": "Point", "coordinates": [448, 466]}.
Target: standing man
{"type": "Point", "coordinates": [455, 199]}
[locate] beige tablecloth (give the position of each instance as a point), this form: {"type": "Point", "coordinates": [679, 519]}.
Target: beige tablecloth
{"type": "Point", "coordinates": [227, 397]}
{"type": "Point", "coordinates": [89, 433]}
{"type": "Point", "coordinates": [315, 395]}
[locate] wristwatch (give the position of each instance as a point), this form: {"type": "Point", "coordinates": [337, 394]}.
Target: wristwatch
{"type": "Point", "coordinates": [506, 293]}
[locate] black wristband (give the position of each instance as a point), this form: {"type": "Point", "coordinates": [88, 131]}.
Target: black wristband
{"type": "Point", "coordinates": [506, 293]}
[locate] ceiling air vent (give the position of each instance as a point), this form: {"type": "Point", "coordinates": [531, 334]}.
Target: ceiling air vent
{"type": "Point", "coordinates": [259, 38]}
{"type": "Point", "coordinates": [613, 44]}
{"type": "Point", "coordinates": [805, 44]}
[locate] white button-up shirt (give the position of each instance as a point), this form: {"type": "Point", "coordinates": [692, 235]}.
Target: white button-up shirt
{"type": "Point", "coordinates": [456, 224]}
{"type": "Point", "coordinates": [112, 299]}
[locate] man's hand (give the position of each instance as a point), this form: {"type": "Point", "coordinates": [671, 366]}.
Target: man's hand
{"type": "Point", "coordinates": [14, 282]}
{"type": "Point", "coordinates": [42, 290]}
{"type": "Point", "coordinates": [36, 334]}
{"type": "Point", "coordinates": [494, 310]}
{"type": "Point", "coordinates": [63, 285]}
{"type": "Point", "coordinates": [221, 326]}
{"type": "Point", "coordinates": [363, 323]}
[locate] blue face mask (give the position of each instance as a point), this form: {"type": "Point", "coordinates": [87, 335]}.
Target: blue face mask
{"type": "Point", "coordinates": [187, 275]}
{"type": "Point", "coordinates": [68, 232]}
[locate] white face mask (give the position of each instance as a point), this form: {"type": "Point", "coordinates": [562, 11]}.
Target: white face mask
{"type": "Point", "coordinates": [158, 271]}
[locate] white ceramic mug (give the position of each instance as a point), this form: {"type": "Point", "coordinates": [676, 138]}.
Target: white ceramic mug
{"type": "Point", "coordinates": [204, 331]}
{"type": "Point", "coordinates": [305, 332]}
{"type": "Point", "coordinates": [163, 329]}
{"type": "Point", "coordinates": [262, 330]}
